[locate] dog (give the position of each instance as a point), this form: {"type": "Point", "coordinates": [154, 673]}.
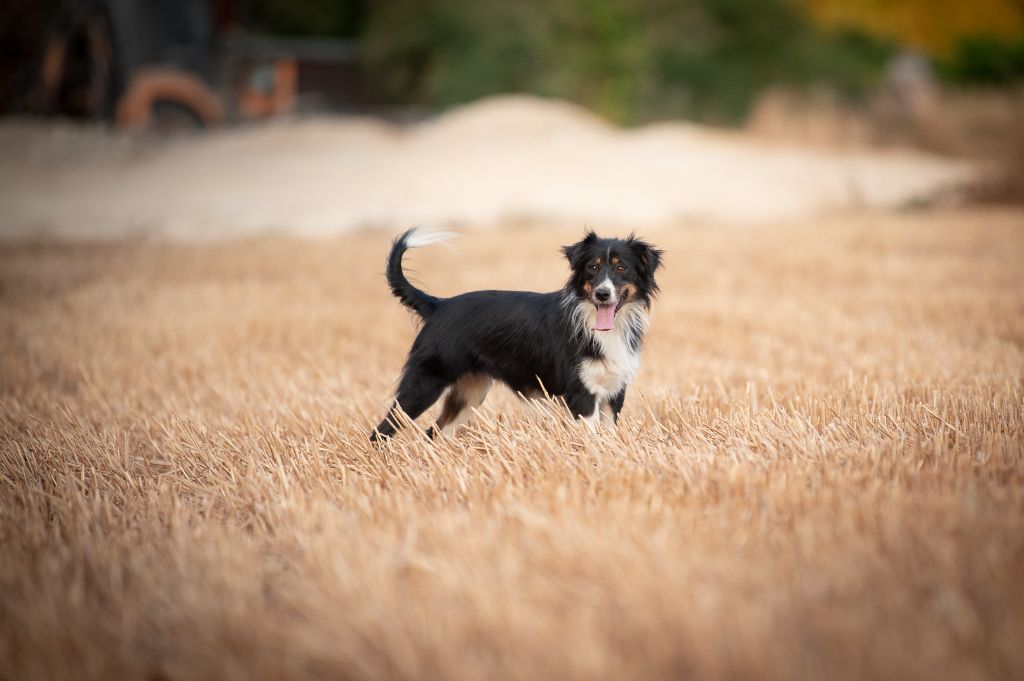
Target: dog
{"type": "Point", "coordinates": [581, 343]}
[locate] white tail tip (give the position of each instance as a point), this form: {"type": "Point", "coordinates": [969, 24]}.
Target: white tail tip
{"type": "Point", "coordinates": [420, 237]}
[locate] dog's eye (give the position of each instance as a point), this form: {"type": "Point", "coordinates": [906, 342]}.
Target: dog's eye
{"type": "Point", "coordinates": [593, 267]}
{"type": "Point", "coordinates": [621, 269]}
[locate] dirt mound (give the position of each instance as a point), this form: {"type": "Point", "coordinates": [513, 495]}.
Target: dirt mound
{"type": "Point", "coordinates": [505, 158]}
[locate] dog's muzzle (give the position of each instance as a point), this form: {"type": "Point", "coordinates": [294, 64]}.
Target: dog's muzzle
{"type": "Point", "coordinates": [607, 302]}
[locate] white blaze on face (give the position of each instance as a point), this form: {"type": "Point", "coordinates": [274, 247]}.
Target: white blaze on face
{"type": "Point", "coordinates": [605, 310]}
{"type": "Point", "coordinates": [609, 287]}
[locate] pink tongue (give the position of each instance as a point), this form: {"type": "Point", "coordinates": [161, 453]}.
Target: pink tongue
{"type": "Point", "coordinates": [605, 317]}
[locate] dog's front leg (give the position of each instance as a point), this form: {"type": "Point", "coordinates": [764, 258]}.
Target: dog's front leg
{"type": "Point", "coordinates": [610, 409]}
{"type": "Point", "coordinates": [585, 406]}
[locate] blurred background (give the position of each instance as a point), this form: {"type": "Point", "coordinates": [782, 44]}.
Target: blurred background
{"type": "Point", "coordinates": [214, 116]}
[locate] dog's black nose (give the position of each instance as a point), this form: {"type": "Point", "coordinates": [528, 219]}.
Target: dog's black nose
{"type": "Point", "coordinates": [602, 294]}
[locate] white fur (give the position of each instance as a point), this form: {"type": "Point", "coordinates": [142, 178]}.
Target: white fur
{"type": "Point", "coordinates": [577, 312]}
{"type": "Point", "coordinates": [608, 286]}
{"type": "Point", "coordinates": [420, 237]}
{"type": "Point", "coordinates": [606, 377]}
{"type": "Point", "coordinates": [607, 415]}
{"type": "Point", "coordinates": [593, 420]}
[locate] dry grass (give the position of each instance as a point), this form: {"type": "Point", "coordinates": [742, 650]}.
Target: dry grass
{"type": "Point", "coordinates": [823, 478]}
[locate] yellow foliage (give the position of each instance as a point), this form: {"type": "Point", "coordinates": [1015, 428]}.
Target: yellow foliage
{"type": "Point", "coordinates": [933, 26]}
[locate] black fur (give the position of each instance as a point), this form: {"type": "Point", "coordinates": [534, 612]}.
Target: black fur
{"type": "Point", "coordinates": [529, 341]}
{"type": "Point", "coordinates": [413, 298]}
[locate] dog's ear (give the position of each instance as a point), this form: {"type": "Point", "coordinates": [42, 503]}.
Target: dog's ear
{"type": "Point", "coordinates": [574, 253]}
{"type": "Point", "coordinates": [648, 255]}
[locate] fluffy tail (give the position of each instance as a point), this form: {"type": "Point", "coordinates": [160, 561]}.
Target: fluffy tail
{"type": "Point", "coordinates": [416, 300]}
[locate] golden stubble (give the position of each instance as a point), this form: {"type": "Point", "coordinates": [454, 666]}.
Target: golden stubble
{"type": "Point", "coordinates": [818, 473]}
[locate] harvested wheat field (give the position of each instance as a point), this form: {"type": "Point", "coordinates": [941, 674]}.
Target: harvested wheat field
{"type": "Point", "coordinates": [819, 472]}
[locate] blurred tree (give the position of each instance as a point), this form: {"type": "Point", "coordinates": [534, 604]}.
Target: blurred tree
{"type": "Point", "coordinates": [334, 18]}
{"type": "Point", "coordinates": [981, 60]}
{"type": "Point", "coordinates": [630, 60]}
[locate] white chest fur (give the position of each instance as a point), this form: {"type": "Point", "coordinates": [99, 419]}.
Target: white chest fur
{"type": "Point", "coordinates": [620, 348]}
{"type": "Point", "coordinates": [606, 377]}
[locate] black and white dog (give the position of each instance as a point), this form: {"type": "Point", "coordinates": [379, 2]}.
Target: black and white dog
{"type": "Point", "coordinates": [581, 343]}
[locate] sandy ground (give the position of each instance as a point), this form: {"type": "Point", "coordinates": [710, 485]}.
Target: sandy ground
{"type": "Point", "coordinates": [499, 160]}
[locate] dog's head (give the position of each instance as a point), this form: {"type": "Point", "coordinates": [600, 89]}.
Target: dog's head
{"type": "Point", "coordinates": [612, 273]}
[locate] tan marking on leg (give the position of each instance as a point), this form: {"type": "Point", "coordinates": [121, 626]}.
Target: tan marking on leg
{"type": "Point", "coordinates": [465, 395]}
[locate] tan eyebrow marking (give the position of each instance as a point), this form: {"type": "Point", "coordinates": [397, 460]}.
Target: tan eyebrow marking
{"type": "Point", "coordinates": [615, 260]}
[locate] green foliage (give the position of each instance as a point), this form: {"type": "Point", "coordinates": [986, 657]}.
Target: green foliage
{"type": "Point", "coordinates": [714, 59]}
{"type": "Point", "coordinates": [985, 60]}
{"type": "Point", "coordinates": [632, 61]}
{"type": "Point", "coordinates": [308, 17]}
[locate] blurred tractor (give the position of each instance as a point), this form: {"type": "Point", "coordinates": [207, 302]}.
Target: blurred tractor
{"type": "Point", "coordinates": [170, 64]}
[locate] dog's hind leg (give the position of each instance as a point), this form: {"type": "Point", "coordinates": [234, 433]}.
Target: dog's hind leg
{"type": "Point", "coordinates": [465, 395]}
{"type": "Point", "coordinates": [416, 392]}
